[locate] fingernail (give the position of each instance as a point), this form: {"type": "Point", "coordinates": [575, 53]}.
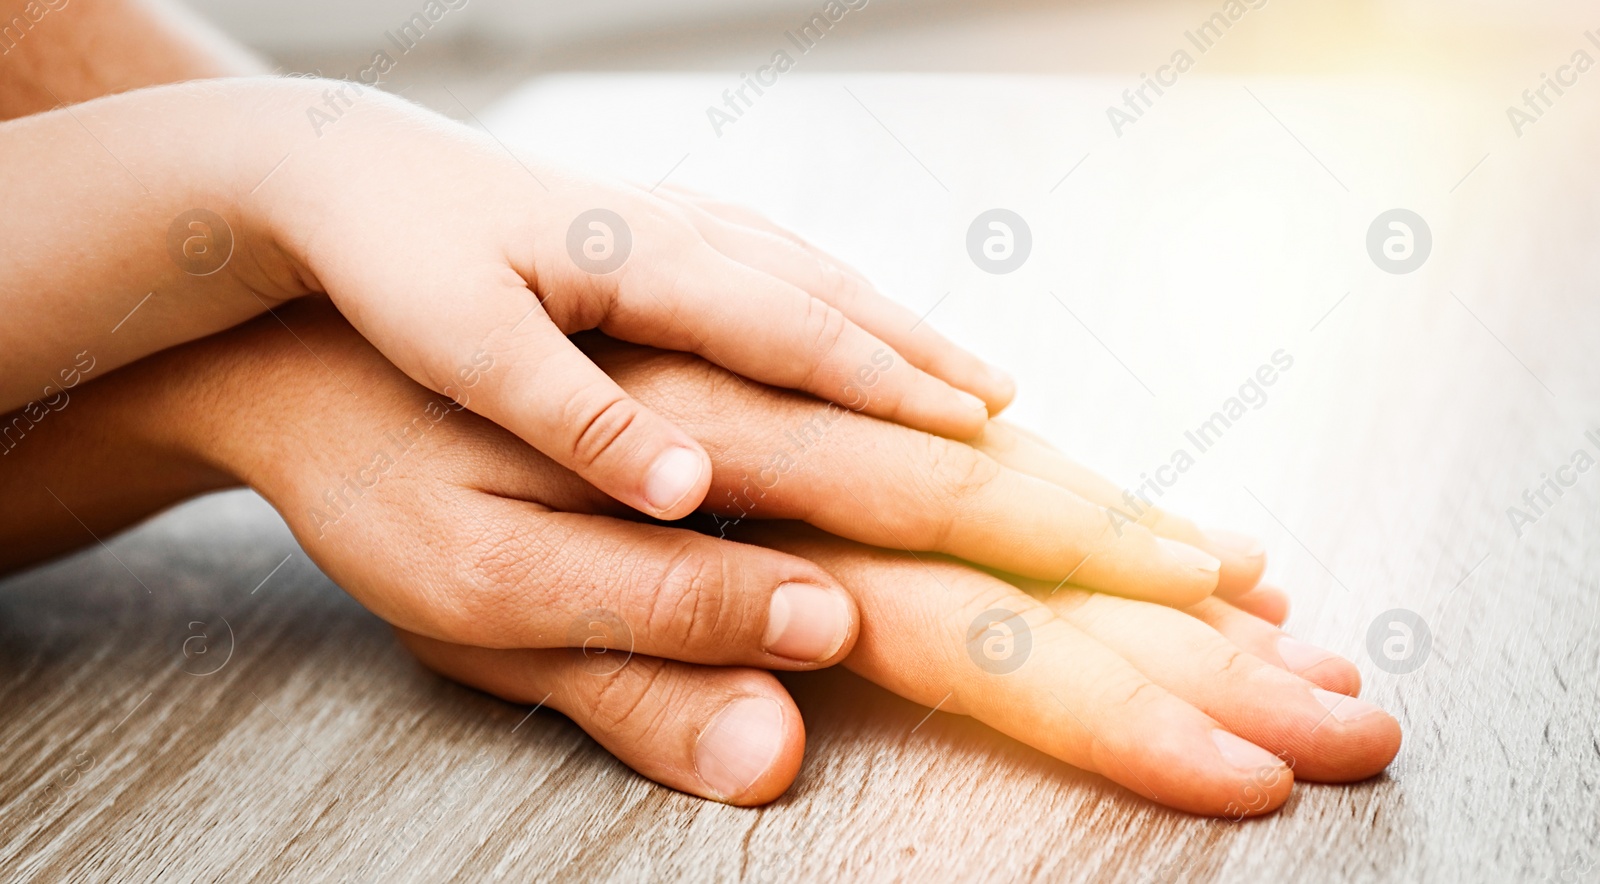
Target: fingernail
{"type": "Point", "coordinates": [1299, 656]}
{"type": "Point", "coordinates": [1242, 753]}
{"type": "Point", "coordinates": [1239, 544]}
{"type": "Point", "coordinates": [1343, 706]}
{"type": "Point", "coordinates": [806, 622]}
{"type": "Point", "coordinates": [672, 477]}
{"type": "Point", "coordinates": [1189, 555]}
{"type": "Point", "coordinates": [739, 745]}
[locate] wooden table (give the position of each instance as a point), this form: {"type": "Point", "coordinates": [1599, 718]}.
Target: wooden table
{"type": "Point", "coordinates": [243, 718]}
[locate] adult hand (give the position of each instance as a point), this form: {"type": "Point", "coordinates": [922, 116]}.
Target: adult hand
{"type": "Point", "coordinates": [1198, 709]}
{"type": "Point", "coordinates": [470, 542]}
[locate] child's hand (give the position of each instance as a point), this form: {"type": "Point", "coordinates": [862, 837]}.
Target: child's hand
{"type": "Point", "coordinates": [441, 247]}
{"type": "Point", "coordinates": [438, 244]}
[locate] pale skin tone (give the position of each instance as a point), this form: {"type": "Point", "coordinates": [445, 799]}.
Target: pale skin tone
{"type": "Point", "coordinates": [490, 559]}
{"type": "Point", "coordinates": [435, 242]}
{"type": "Point", "coordinates": [438, 244]}
{"type": "Point", "coordinates": [1008, 501]}
{"type": "Point", "coordinates": [123, 229]}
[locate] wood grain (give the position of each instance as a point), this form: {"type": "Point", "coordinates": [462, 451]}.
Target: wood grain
{"type": "Point", "coordinates": [1226, 225]}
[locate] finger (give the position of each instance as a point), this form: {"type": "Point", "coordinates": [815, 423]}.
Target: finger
{"type": "Point", "coordinates": [1029, 434]}
{"type": "Point", "coordinates": [742, 214]}
{"type": "Point", "coordinates": [778, 455]}
{"type": "Point", "coordinates": [936, 494]}
{"type": "Point", "coordinates": [732, 735]}
{"type": "Point", "coordinates": [689, 296]}
{"type": "Point", "coordinates": [512, 575]}
{"type": "Point", "coordinates": [1265, 602]}
{"type": "Point", "coordinates": [504, 359]}
{"type": "Point", "coordinates": [1321, 667]}
{"type": "Point", "coordinates": [1325, 736]}
{"type": "Point", "coordinates": [545, 390]}
{"type": "Point", "coordinates": [943, 634]}
{"type": "Point", "coordinates": [1243, 558]}
{"type": "Point", "coordinates": [812, 271]}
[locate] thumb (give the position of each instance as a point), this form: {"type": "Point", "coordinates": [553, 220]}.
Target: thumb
{"type": "Point", "coordinates": [556, 399]}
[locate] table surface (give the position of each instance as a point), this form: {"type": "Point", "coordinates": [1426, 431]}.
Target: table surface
{"type": "Point", "coordinates": [244, 718]}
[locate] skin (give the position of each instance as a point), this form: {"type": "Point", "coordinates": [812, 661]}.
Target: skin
{"type": "Point", "coordinates": [314, 186]}
{"type": "Point", "coordinates": [161, 419]}
{"type": "Point", "coordinates": [605, 428]}
{"type": "Point", "coordinates": [76, 51]}
{"type": "Point", "coordinates": [103, 207]}
{"type": "Point", "coordinates": [491, 560]}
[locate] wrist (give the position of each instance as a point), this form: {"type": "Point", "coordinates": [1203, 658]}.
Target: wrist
{"type": "Point", "coordinates": [310, 141]}
{"type": "Point", "coordinates": [101, 455]}
{"type": "Point", "coordinates": [262, 186]}
{"type": "Point", "coordinates": [252, 403]}
{"type": "Point", "coordinates": [168, 409]}
{"type": "Point", "coordinates": [152, 215]}
{"type": "Point", "coordinates": [215, 410]}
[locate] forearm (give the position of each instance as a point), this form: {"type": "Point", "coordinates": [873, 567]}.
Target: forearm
{"type": "Point", "coordinates": [103, 254]}
{"type": "Point", "coordinates": [65, 51]}
{"type": "Point", "coordinates": [102, 455]}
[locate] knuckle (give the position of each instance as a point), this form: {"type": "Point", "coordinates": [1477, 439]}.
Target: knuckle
{"type": "Point", "coordinates": [600, 423]}
{"type": "Point", "coordinates": [842, 288]}
{"type": "Point", "coordinates": [672, 220]}
{"type": "Point", "coordinates": [1234, 664]}
{"type": "Point", "coordinates": [990, 595]}
{"type": "Point", "coordinates": [509, 339]}
{"type": "Point", "coordinates": [1165, 524]}
{"type": "Point", "coordinates": [1082, 608]}
{"type": "Point", "coordinates": [661, 263]}
{"type": "Point", "coordinates": [824, 326]}
{"type": "Point", "coordinates": [621, 702]}
{"type": "Point", "coordinates": [674, 241]}
{"type": "Point", "coordinates": [993, 612]}
{"type": "Point", "coordinates": [677, 385]}
{"type": "Point", "coordinates": [1114, 527]}
{"type": "Point", "coordinates": [1132, 696]}
{"type": "Point", "coordinates": [686, 602]}
{"type": "Point", "coordinates": [957, 476]}
{"type": "Point", "coordinates": [491, 570]}
{"type": "Point", "coordinates": [961, 470]}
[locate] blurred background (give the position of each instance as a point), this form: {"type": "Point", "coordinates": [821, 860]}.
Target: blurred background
{"type": "Point", "coordinates": [483, 48]}
{"type": "Point", "coordinates": [1230, 226]}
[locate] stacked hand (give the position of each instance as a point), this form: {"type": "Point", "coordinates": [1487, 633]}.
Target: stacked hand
{"type": "Point", "coordinates": [437, 243]}
{"type": "Point", "coordinates": [494, 562]}
{"type": "Point", "coordinates": [450, 456]}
